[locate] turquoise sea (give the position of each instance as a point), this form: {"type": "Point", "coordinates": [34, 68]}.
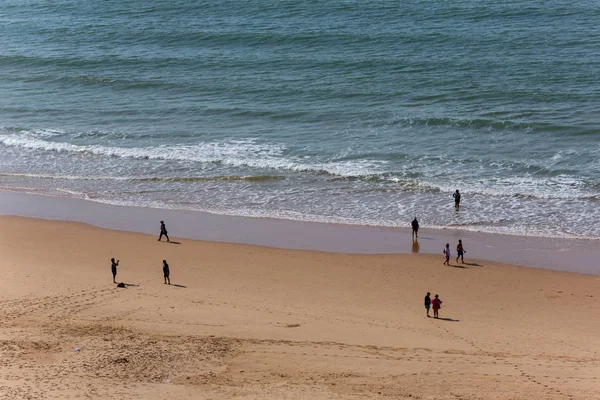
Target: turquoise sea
{"type": "Point", "coordinates": [335, 111]}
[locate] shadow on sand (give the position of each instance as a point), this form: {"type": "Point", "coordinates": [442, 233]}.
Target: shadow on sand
{"type": "Point", "coordinates": [179, 286]}
{"type": "Point", "coordinates": [457, 266]}
{"type": "Point", "coordinates": [474, 264]}
{"type": "Point", "coordinates": [448, 319]}
{"type": "Point", "coordinates": [424, 238]}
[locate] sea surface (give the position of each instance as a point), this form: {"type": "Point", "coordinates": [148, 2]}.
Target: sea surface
{"type": "Point", "coordinates": [335, 111]}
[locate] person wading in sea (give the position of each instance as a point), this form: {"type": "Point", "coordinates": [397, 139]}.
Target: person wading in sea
{"type": "Point", "coordinates": [456, 196]}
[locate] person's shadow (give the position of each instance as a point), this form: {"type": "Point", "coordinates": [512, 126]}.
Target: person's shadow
{"type": "Point", "coordinates": [474, 264]}
{"type": "Point", "coordinates": [448, 319]}
{"type": "Point", "coordinates": [179, 286]}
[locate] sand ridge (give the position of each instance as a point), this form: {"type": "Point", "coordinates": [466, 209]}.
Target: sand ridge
{"type": "Point", "coordinates": [248, 322]}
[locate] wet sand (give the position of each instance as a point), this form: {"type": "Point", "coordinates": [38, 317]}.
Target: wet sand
{"type": "Point", "coordinates": [574, 255]}
{"type": "Point", "coordinates": [250, 322]}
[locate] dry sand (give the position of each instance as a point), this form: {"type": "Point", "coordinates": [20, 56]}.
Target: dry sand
{"type": "Point", "coordinates": [246, 322]}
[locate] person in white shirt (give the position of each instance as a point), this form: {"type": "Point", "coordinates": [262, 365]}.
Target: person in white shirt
{"type": "Point", "coordinates": [447, 254]}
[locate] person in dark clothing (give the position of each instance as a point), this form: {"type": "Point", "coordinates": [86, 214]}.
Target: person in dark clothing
{"type": "Point", "coordinates": [427, 303]}
{"type": "Point", "coordinates": [460, 251]}
{"type": "Point", "coordinates": [456, 196]}
{"type": "Point", "coordinates": [166, 272]}
{"type": "Point", "coordinates": [415, 228]}
{"type": "Point", "coordinates": [113, 268]}
{"type": "Point", "coordinates": [163, 231]}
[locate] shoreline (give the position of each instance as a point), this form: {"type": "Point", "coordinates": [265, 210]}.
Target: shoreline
{"type": "Point", "coordinates": [570, 255]}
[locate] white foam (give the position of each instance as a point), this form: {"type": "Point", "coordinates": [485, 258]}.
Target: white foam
{"type": "Point", "coordinates": [559, 187]}
{"type": "Point", "coordinates": [73, 193]}
{"type": "Point", "coordinates": [68, 177]}
{"type": "Point", "coordinates": [252, 153]}
{"type": "Point", "coordinates": [49, 132]}
{"type": "Point", "coordinates": [236, 153]}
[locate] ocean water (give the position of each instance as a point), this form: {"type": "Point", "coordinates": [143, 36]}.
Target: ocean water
{"type": "Point", "coordinates": [335, 111]}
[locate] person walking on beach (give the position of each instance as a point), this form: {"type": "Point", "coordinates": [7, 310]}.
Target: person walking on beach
{"type": "Point", "coordinates": [447, 254]}
{"type": "Point", "coordinates": [415, 228]}
{"type": "Point", "coordinates": [113, 268]}
{"type": "Point", "coordinates": [456, 196]}
{"type": "Point", "coordinates": [163, 231]}
{"type": "Point", "coordinates": [166, 272]}
{"type": "Point", "coordinates": [437, 304]}
{"type": "Point", "coordinates": [460, 251]}
{"type": "Point", "coordinates": [427, 303]}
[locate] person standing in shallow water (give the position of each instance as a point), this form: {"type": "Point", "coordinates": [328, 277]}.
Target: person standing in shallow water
{"type": "Point", "coordinates": [163, 231]}
{"type": "Point", "coordinates": [415, 228]}
{"type": "Point", "coordinates": [460, 251]}
{"type": "Point", "coordinates": [113, 268]}
{"type": "Point", "coordinates": [166, 272]}
{"type": "Point", "coordinates": [456, 196]}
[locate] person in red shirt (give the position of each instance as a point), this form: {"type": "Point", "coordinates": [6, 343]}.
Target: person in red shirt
{"type": "Point", "coordinates": [437, 304]}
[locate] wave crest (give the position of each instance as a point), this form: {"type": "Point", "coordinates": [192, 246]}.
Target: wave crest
{"type": "Point", "coordinates": [267, 158]}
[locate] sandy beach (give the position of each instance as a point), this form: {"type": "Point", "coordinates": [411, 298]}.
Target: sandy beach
{"type": "Point", "coordinates": [250, 322]}
{"type": "Point", "coordinates": [290, 148]}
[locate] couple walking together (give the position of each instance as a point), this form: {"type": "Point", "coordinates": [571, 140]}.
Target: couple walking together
{"type": "Point", "coordinates": [460, 251]}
